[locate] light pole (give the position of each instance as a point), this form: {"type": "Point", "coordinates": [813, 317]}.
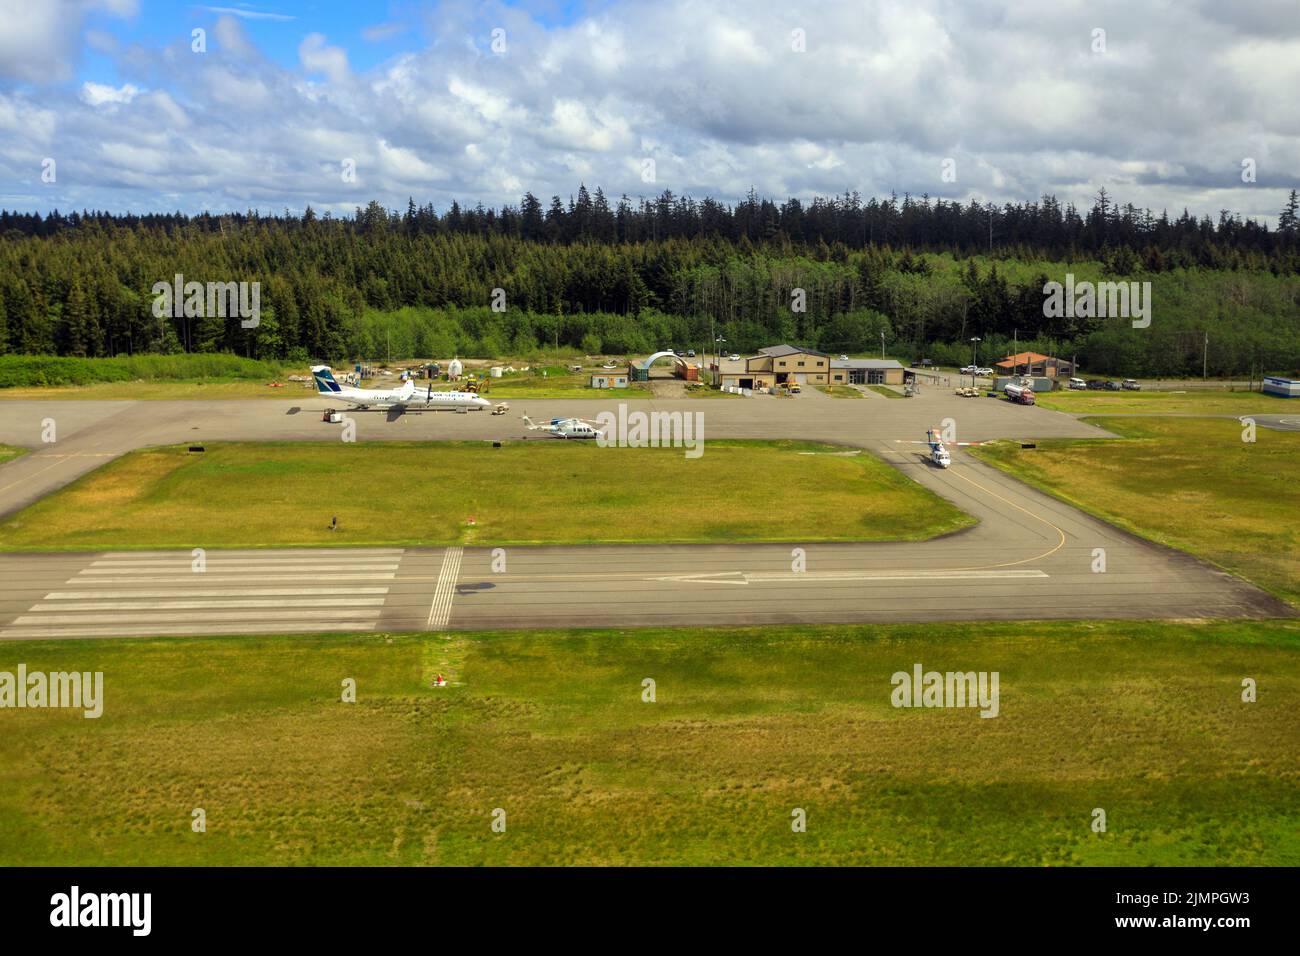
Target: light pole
{"type": "Point", "coordinates": [974, 361]}
{"type": "Point", "coordinates": [719, 342]}
{"type": "Point", "coordinates": [882, 345]}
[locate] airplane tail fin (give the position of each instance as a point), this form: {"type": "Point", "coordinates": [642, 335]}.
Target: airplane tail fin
{"type": "Point", "coordinates": [528, 421]}
{"type": "Point", "coordinates": [325, 383]}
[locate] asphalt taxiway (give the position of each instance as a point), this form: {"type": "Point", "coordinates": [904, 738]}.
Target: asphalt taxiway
{"type": "Point", "coordinates": [1030, 557]}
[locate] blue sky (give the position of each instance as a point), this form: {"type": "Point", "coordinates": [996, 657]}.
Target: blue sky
{"type": "Point", "coordinates": [372, 32]}
{"type": "Point", "coordinates": [989, 100]}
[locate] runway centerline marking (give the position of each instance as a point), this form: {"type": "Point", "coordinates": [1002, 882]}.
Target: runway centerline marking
{"type": "Point", "coordinates": [1008, 564]}
{"type": "Point", "coordinates": [760, 577]}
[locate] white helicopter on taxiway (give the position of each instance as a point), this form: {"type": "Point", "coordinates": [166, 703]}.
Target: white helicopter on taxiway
{"type": "Point", "coordinates": [567, 427]}
{"type": "Point", "coordinates": [939, 454]}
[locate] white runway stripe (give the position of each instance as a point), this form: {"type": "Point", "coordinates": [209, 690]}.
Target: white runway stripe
{"type": "Point", "coordinates": [220, 579]}
{"type": "Point", "coordinates": [444, 592]}
{"type": "Point", "coordinates": [207, 592]}
{"type": "Point", "coordinates": [196, 605]}
{"type": "Point", "coordinates": [368, 564]}
{"type": "Point", "coordinates": [238, 569]}
{"type": "Point", "coordinates": [258, 553]}
{"type": "Point", "coordinates": [194, 628]}
{"type": "Point", "coordinates": [252, 617]}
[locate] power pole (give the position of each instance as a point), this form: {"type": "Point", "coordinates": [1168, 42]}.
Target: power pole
{"type": "Point", "coordinates": [1205, 356]}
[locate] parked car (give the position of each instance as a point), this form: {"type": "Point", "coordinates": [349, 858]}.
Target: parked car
{"type": "Point", "coordinates": [1111, 386]}
{"type": "Point", "coordinates": [982, 370]}
{"type": "Point", "coordinates": [968, 370]}
{"type": "Point", "coordinates": [690, 353]}
{"type": "Point", "coordinates": [1077, 384]}
{"type": "Point", "coordinates": [1096, 384]}
{"type": "Point", "coordinates": [1131, 384]}
{"type": "Point", "coordinates": [733, 357]}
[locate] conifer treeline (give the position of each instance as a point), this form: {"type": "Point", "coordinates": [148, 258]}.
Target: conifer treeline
{"type": "Point", "coordinates": [1042, 229]}
{"type": "Point", "coordinates": [663, 272]}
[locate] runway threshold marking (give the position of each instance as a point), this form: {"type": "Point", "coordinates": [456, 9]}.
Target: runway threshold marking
{"type": "Point", "coordinates": [164, 594]}
{"type": "Point", "coordinates": [445, 590]}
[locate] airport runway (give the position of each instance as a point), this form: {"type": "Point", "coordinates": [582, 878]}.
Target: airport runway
{"type": "Point", "coordinates": [1031, 557]}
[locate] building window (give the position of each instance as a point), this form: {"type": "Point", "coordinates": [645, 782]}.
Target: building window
{"type": "Point", "coordinates": [801, 364]}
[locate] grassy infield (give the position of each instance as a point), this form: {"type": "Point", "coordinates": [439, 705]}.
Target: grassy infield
{"type": "Point", "coordinates": [1144, 720]}
{"type": "Point", "coordinates": [537, 492]}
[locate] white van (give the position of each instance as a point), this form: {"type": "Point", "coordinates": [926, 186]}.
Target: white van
{"type": "Point", "coordinates": [1078, 384]}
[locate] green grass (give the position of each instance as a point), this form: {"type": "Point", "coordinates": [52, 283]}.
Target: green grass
{"type": "Point", "coordinates": [558, 383]}
{"type": "Point", "coordinates": [1192, 402]}
{"type": "Point", "coordinates": [1187, 482]}
{"type": "Point", "coordinates": [1144, 720]}
{"type": "Point", "coordinates": [886, 391]}
{"type": "Point", "coordinates": [542, 491]}
{"type": "Point", "coordinates": [168, 391]}
{"type": "Point", "coordinates": [840, 391]}
{"type": "Point", "coordinates": [140, 376]}
{"type": "Point", "coordinates": [10, 452]}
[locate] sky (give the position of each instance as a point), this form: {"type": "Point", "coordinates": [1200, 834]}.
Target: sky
{"type": "Point", "coordinates": [158, 105]}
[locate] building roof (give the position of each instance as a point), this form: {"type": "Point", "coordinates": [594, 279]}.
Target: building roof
{"type": "Point", "coordinates": [864, 363]}
{"type": "Point", "coordinates": [776, 351]}
{"type": "Point", "coordinates": [728, 367]}
{"type": "Point", "coordinates": [1025, 358]}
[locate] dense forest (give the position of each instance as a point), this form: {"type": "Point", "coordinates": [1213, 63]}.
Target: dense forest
{"type": "Point", "coordinates": [669, 272]}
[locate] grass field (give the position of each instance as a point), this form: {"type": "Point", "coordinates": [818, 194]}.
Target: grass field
{"type": "Point", "coordinates": [886, 391]}
{"type": "Point", "coordinates": [558, 383]}
{"type": "Point", "coordinates": [1142, 720]}
{"type": "Point", "coordinates": [10, 452]}
{"type": "Point", "coordinates": [542, 491]}
{"type": "Point", "coordinates": [1204, 402]}
{"type": "Point", "coordinates": [840, 391]}
{"type": "Point", "coordinates": [1188, 482]}
{"type": "Point", "coordinates": [209, 375]}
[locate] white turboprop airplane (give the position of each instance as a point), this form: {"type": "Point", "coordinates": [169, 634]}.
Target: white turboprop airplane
{"type": "Point", "coordinates": [405, 396]}
{"type": "Point", "coordinates": [566, 427]}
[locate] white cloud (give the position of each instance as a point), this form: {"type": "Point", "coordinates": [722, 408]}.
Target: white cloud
{"type": "Point", "coordinates": [39, 41]}
{"type": "Point", "coordinates": [885, 90]}
{"type": "Point", "coordinates": [100, 94]}
{"type": "Point", "coordinates": [383, 31]}
{"type": "Point", "coordinates": [317, 57]}
{"type": "Point", "coordinates": [248, 13]}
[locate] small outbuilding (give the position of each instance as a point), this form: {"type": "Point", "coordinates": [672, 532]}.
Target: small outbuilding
{"type": "Point", "coordinates": [609, 380]}
{"type": "Point", "coordinates": [1282, 387]}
